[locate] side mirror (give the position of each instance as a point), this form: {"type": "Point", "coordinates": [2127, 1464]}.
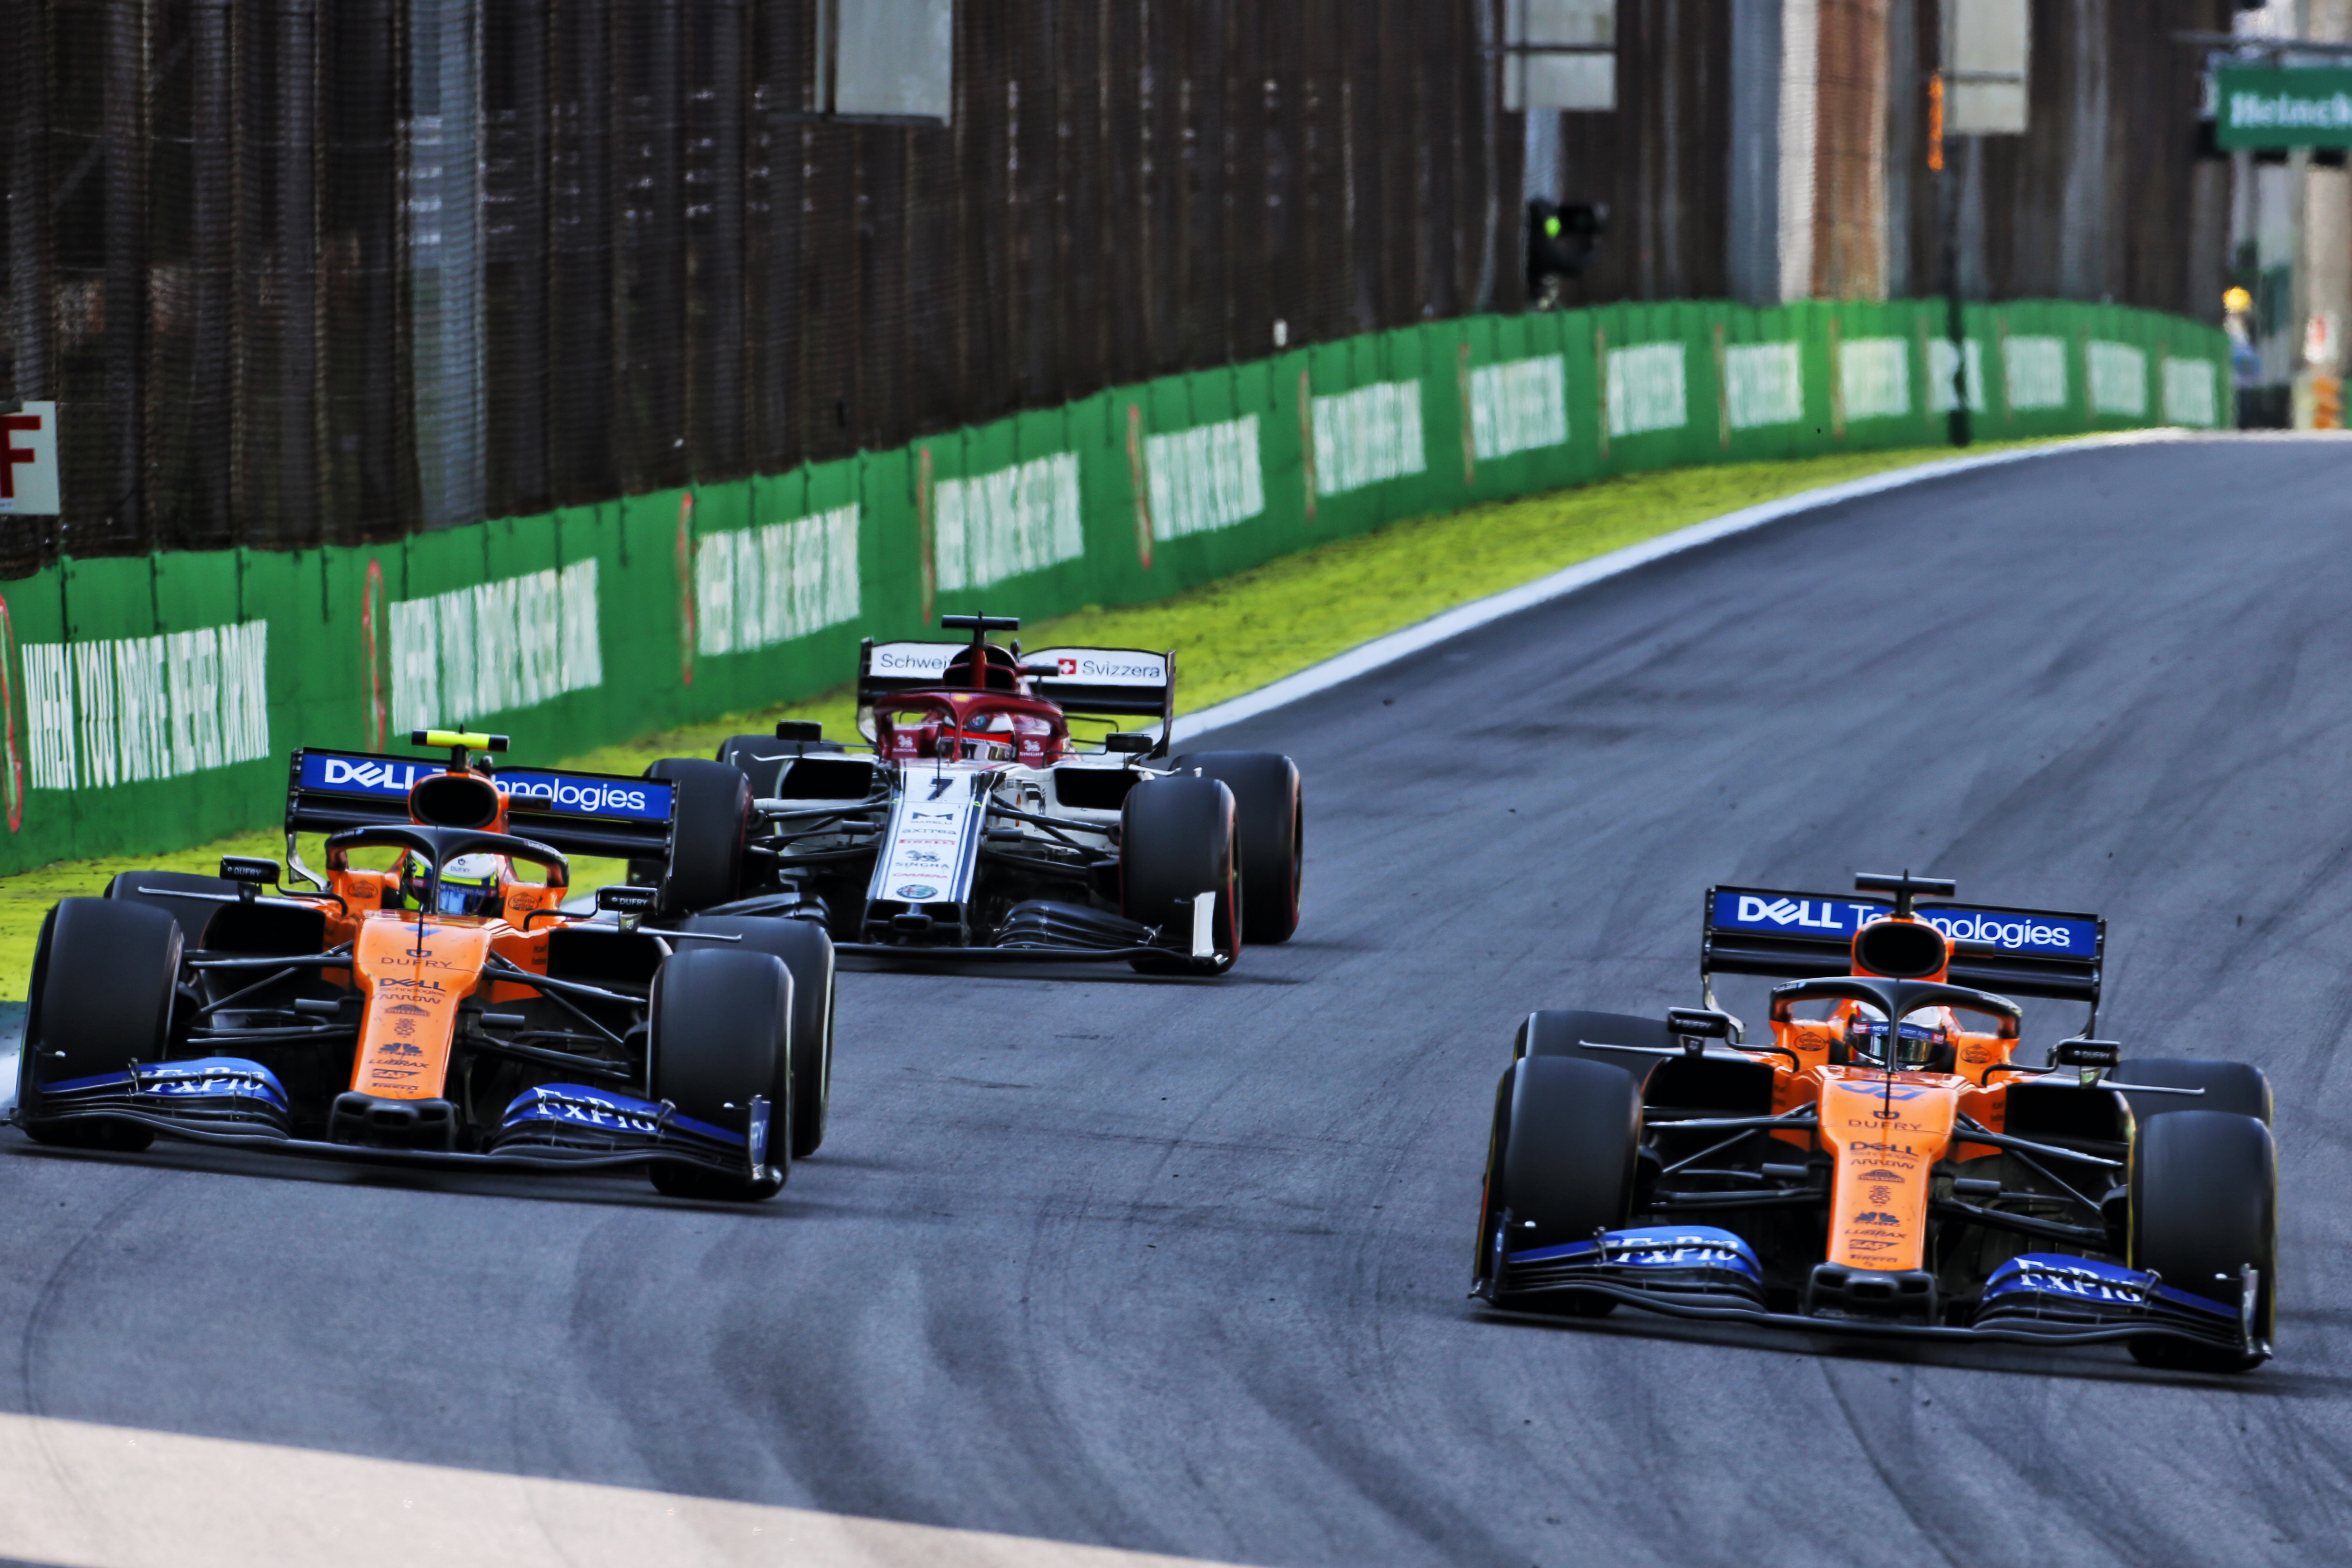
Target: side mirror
{"type": "Point", "coordinates": [1130, 741]}
{"type": "Point", "coordinates": [2104, 1053]}
{"type": "Point", "coordinates": [799, 730]}
{"type": "Point", "coordinates": [249, 871]}
{"type": "Point", "coordinates": [1697, 1026]}
{"type": "Point", "coordinates": [623, 899]}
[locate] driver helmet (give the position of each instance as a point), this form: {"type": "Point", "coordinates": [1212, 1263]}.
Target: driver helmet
{"type": "Point", "coordinates": [985, 742]}
{"type": "Point", "coordinates": [469, 884]}
{"type": "Point", "coordinates": [1924, 1031]}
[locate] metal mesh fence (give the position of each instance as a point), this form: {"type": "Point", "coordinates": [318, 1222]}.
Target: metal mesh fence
{"type": "Point", "coordinates": [2105, 197]}
{"type": "Point", "coordinates": [302, 272]}
{"type": "Point", "coordinates": [1661, 161]}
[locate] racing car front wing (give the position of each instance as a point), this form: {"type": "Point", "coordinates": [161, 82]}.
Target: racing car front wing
{"type": "Point", "coordinates": [229, 1101]}
{"type": "Point", "coordinates": [1036, 931]}
{"type": "Point", "coordinates": [1709, 1274]}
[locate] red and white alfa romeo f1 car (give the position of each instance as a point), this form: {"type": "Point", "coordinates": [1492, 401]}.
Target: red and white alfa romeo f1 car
{"type": "Point", "coordinates": [974, 825]}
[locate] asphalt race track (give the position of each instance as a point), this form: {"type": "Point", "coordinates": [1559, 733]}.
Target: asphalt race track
{"type": "Point", "coordinates": [1180, 1267]}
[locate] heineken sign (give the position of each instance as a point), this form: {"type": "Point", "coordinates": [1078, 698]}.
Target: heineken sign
{"type": "Point", "coordinates": [2281, 106]}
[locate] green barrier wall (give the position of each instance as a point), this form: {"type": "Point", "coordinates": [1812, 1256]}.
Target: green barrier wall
{"type": "Point", "coordinates": [150, 703]}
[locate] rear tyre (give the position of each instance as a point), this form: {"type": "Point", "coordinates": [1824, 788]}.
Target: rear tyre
{"type": "Point", "coordinates": [2204, 1204]}
{"type": "Point", "coordinates": [806, 1069]}
{"type": "Point", "coordinates": [192, 914]}
{"type": "Point", "coordinates": [2234, 1087]}
{"type": "Point", "coordinates": [1562, 1031]}
{"type": "Point", "coordinates": [1176, 842]}
{"type": "Point", "coordinates": [1271, 824]}
{"type": "Point", "coordinates": [721, 1025]}
{"type": "Point", "coordinates": [709, 822]}
{"type": "Point", "coordinates": [106, 974]}
{"type": "Point", "coordinates": [1569, 1135]}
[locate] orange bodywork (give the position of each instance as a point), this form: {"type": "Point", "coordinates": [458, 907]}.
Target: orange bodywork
{"type": "Point", "coordinates": [412, 972]}
{"type": "Point", "coordinates": [1884, 1131]}
{"type": "Point", "coordinates": [413, 977]}
{"type": "Point", "coordinates": [1884, 1136]}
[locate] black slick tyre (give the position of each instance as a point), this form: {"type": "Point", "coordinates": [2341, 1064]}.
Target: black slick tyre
{"type": "Point", "coordinates": [765, 759]}
{"type": "Point", "coordinates": [2235, 1086]}
{"type": "Point", "coordinates": [1564, 1031]}
{"type": "Point", "coordinates": [1568, 1140]}
{"type": "Point", "coordinates": [2204, 1205]}
{"type": "Point", "coordinates": [1176, 842]}
{"type": "Point", "coordinates": [1271, 826]}
{"type": "Point", "coordinates": [807, 1068]}
{"type": "Point", "coordinates": [709, 823]}
{"type": "Point", "coordinates": [106, 974]}
{"type": "Point", "coordinates": [721, 1023]}
{"type": "Point", "coordinates": [154, 889]}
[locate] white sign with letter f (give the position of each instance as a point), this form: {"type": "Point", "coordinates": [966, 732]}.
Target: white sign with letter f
{"type": "Point", "coordinates": [29, 459]}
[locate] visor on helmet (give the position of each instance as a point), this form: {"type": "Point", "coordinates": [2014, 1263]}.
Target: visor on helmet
{"type": "Point", "coordinates": [1917, 1038]}
{"type": "Point", "coordinates": [469, 885]}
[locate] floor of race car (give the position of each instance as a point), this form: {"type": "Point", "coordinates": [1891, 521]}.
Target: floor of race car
{"type": "Point", "coordinates": [1177, 1267]}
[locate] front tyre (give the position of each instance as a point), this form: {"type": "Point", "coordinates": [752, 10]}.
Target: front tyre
{"type": "Point", "coordinates": [805, 1070]}
{"type": "Point", "coordinates": [1176, 843]}
{"type": "Point", "coordinates": [1561, 1166]}
{"type": "Point", "coordinates": [721, 1023]}
{"type": "Point", "coordinates": [2204, 1204]}
{"type": "Point", "coordinates": [106, 974]}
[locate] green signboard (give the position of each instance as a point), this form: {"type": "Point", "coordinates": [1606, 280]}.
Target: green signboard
{"type": "Point", "coordinates": [2283, 106]}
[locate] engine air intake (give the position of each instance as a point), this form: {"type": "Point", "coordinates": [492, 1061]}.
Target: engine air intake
{"type": "Point", "coordinates": [1900, 950]}
{"type": "Point", "coordinates": [453, 800]}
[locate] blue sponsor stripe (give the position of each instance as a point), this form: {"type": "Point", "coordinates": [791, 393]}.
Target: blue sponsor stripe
{"type": "Point", "coordinates": [537, 789]}
{"type": "Point", "coordinates": [1665, 1246]}
{"type": "Point", "coordinates": [2004, 931]}
{"type": "Point", "coordinates": [205, 1076]}
{"type": "Point", "coordinates": [638, 800]}
{"type": "Point", "coordinates": [2089, 1279]}
{"type": "Point", "coordinates": [579, 1106]}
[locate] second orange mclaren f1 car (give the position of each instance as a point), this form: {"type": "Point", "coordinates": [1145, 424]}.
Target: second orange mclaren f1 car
{"type": "Point", "coordinates": [1882, 1167]}
{"type": "Point", "coordinates": [444, 1010]}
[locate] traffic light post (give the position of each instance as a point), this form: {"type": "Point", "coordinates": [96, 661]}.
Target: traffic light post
{"type": "Point", "coordinates": [1948, 206]}
{"type": "Point", "coordinates": [1560, 237]}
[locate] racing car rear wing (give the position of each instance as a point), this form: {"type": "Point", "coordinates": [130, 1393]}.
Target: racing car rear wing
{"type": "Point", "coordinates": [1120, 681]}
{"type": "Point", "coordinates": [1112, 682]}
{"type": "Point", "coordinates": [579, 814]}
{"type": "Point", "coordinates": [1804, 936]}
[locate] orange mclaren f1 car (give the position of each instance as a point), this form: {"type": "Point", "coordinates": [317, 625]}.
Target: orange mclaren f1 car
{"type": "Point", "coordinates": [443, 1011]}
{"type": "Point", "coordinates": [1886, 1168]}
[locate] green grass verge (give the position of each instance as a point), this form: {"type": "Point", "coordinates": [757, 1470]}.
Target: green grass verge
{"type": "Point", "coordinates": [1232, 635]}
